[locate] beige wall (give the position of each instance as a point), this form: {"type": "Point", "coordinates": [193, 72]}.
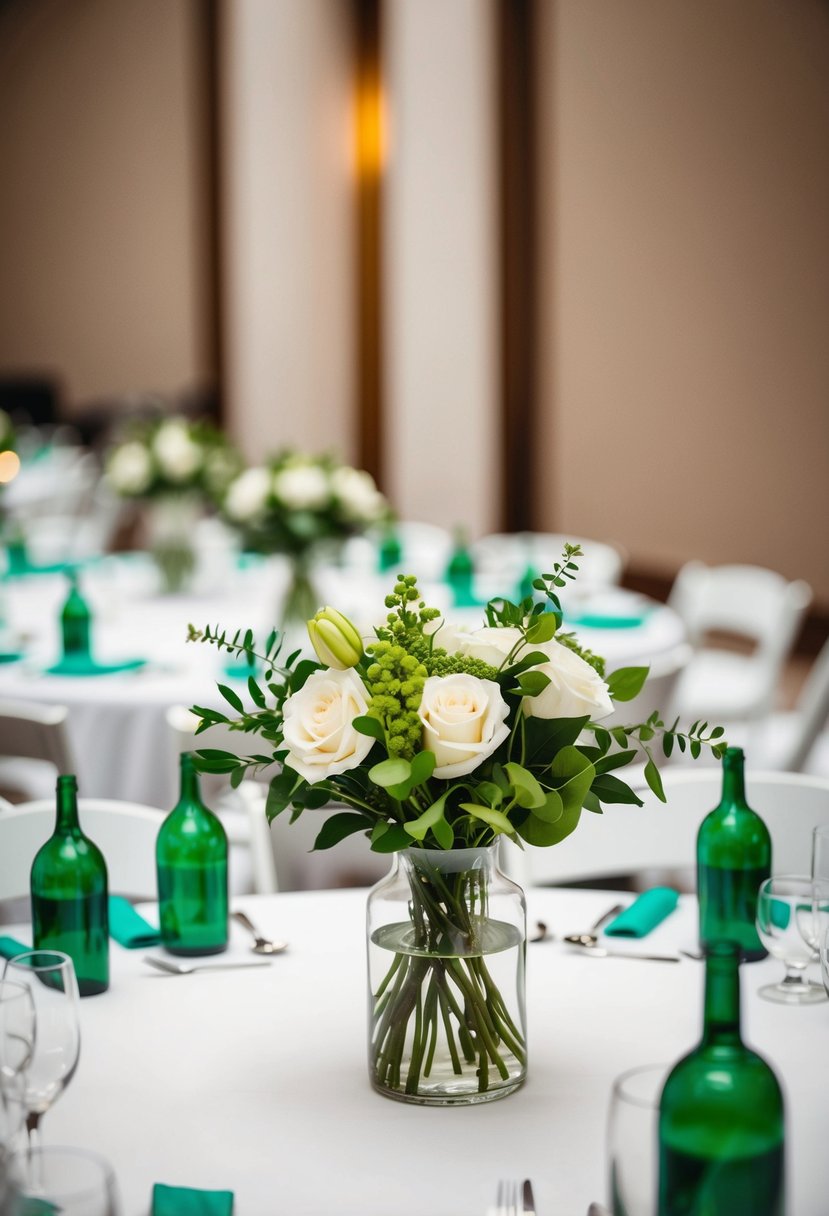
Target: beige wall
{"type": "Point", "coordinates": [441, 263]}
{"type": "Point", "coordinates": [102, 270]}
{"type": "Point", "coordinates": [289, 224]}
{"type": "Point", "coordinates": [685, 279]}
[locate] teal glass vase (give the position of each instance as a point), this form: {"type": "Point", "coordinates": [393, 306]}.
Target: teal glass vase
{"type": "Point", "coordinates": [721, 1116]}
{"type": "Point", "coordinates": [75, 622]}
{"type": "Point", "coordinates": [733, 859]}
{"type": "Point", "coordinates": [69, 891]}
{"type": "Point", "coordinates": [191, 865]}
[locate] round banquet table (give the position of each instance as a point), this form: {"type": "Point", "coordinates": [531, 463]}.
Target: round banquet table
{"type": "Point", "coordinates": [121, 743]}
{"type": "Point", "coordinates": [256, 1080]}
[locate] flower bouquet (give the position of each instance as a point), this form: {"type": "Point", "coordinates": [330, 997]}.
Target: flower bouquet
{"type": "Point", "coordinates": [176, 467]}
{"type": "Point", "coordinates": [295, 503]}
{"type": "Point", "coordinates": [440, 742]}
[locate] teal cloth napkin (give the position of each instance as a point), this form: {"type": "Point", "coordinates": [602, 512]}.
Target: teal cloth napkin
{"type": "Point", "coordinates": [128, 927]}
{"type": "Point", "coordinates": [644, 914]}
{"type": "Point", "coordinates": [30, 1206]}
{"type": "Point", "coordinates": [601, 620]}
{"type": "Point", "coordinates": [85, 665]}
{"type": "Point", "coordinates": [10, 656]}
{"type": "Point", "coordinates": [9, 946]}
{"type": "Point", "coordinates": [185, 1201]}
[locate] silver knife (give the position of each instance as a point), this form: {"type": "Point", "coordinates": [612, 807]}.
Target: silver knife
{"type": "Point", "coordinates": [528, 1199]}
{"type": "Point", "coordinates": [600, 952]}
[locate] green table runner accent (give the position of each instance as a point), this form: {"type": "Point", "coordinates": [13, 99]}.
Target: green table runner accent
{"type": "Point", "coordinates": [31, 1206]}
{"type": "Point", "coordinates": [10, 946]}
{"type": "Point", "coordinates": [128, 927]}
{"type": "Point", "coordinates": [85, 665]}
{"type": "Point", "coordinates": [10, 656]}
{"type": "Point", "coordinates": [186, 1201]}
{"type": "Point", "coordinates": [644, 914]}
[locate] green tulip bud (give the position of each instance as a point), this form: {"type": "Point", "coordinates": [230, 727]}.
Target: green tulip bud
{"type": "Point", "coordinates": [334, 638]}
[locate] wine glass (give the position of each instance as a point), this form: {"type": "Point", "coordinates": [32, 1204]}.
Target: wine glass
{"type": "Point", "coordinates": [790, 911]}
{"type": "Point", "coordinates": [820, 852]}
{"type": "Point", "coordinates": [17, 1039]}
{"type": "Point", "coordinates": [71, 1181]}
{"type": "Point", "coordinates": [632, 1140]}
{"type": "Point", "coordinates": [50, 979]}
{"type": "Point", "coordinates": [824, 960]}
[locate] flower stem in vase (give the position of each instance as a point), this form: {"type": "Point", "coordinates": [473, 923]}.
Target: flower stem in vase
{"type": "Point", "coordinates": [447, 1011]}
{"type": "Point", "coordinates": [300, 601]}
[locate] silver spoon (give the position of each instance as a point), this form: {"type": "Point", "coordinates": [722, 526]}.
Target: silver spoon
{"type": "Point", "coordinates": [262, 945]}
{"type": "Point", "coordinates": [164, 964]}
{"type": "Point", "coordinates": [591, 937]}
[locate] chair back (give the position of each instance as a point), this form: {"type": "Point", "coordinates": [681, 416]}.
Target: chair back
{"type": "Point", "coordinates": [626, 839]}
{"type": "Point", "coordinates": [665, 670]}
{"type": "Point", "coordinates": [30, 731]}
{"type": "Point", "coordinates": [810, 714]}
{"type": "Point", "coordinates": [125, 832]}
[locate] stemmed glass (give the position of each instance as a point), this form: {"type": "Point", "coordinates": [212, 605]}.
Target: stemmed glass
{"type": "Point", "coordinates": [792, 915]}
{"type": "Point", "coordinates": [73, 1182]}
{"type": "Point", "coordinates": [47, 1068]}
{"type": "Point", "coordinates": [17, 1040]}
{"type": "Point", "coordinates": [820, 853]}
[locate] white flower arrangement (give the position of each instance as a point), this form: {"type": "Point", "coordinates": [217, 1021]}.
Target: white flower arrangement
{"type": "Point", "coordinates": [171, 456]}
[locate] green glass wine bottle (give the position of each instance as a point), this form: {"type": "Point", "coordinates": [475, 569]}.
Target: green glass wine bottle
{"type": "Point", "coordinates": [191, 864]}
{"type": "Point", "coordinates": [733, 859]}
{"type": "Point", "coordinates": [721, 1117]}
{"type": "Point", "coordinates": [460, 572]}
{"type": "Point", "coordinates": [390, 554]}
{"type": "Point", "coordinates": [68, 886]}
{"type": "Point", "coordinates": [75, 621]}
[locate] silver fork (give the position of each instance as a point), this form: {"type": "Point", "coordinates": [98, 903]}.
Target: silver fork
{"type": "Point", "coordinates": [506, 1197]}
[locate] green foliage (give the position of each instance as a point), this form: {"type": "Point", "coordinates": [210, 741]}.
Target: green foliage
{"type": "Point", "coordinates": [532, 788]}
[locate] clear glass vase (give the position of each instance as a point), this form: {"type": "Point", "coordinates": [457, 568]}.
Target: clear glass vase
{"type": "Point", "coordinates": [170, 524]}
{"type": "Point", "coordinates": [446, 934]}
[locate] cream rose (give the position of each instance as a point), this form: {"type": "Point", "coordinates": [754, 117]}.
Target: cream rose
{"type": "Point", "coordinates": [130, 468]}
{"type": "Point", "coordinates": [178, 456]}
{"type": "Point", "coordinates": [575, 688]}
{"type": "Point", "coordinates": [463, 722]}
{"type": "Point", "coordinates": [302, 487]}
{"type": "Point", "coordinates": [490, 644]}
{"type": "Point", "coordinates": [247, 495]}
{"type": "Point", "coordinates": [318, 725]}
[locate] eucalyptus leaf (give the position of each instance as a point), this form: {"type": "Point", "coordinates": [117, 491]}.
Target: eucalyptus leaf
{"type": "Point", "coordinates": [528, 792]}
{"type": "Point", "coordinates": [372, 727]}
{"type": "Point", "coordinates": [627, 682]}
{"type": "Point", "coordinates": [610, 789]}
{"type": "Point", "coordinates": [337, 827]}
{"type": "Point", "coordinates": [390, 772]}
{"type": "Point", "coordinates": [232, 698]}
{"type": "Point", "coordinates": [417, 828]}
{"type": "Point", "coordinates": [542, 629]}
{"type": "Point", "coordinates": [392, 840]}
{"type": "Point", "coordinates": [495, 819]}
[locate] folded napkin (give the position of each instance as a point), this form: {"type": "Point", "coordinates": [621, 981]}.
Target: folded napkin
{"type": "Point", "coordinates": [128, 927]}
{"type": "Point", "coordinates": [29, 1205]}
{"type": "Point", "coordinates": [602, 620]}
{"type": "Point", "coordinates": [10, 656]}
{"type": "Point", "coordinates": [9, 946]}
{"type": "Point", "coordinates": [644, 914]}
{"type": "Point", "coordinates": [85, 665]}
{"type": "Point", "coordinates": [185, 1201]}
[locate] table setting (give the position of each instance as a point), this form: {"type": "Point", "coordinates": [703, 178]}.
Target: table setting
{"type": "Point", "coordinates": [333, 1015]}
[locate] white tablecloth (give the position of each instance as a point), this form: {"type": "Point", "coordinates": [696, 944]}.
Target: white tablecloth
{"type": "Point", "coordinates": [257, 1081]}
{"type": "Point", "coordinates": [122, 745]}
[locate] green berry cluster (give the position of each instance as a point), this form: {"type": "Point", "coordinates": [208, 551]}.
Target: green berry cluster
{"type": "Point", "coordinates": [395, 681]}
{"type": "Point", "coordinates": [442, 664]}
{"type": "Point", "coordinates": [403, 624]}
{"type": "Point", "coordinates": [595, 660]}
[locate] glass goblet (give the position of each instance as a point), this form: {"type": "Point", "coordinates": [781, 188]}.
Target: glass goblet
{"type": "Point", "coordinates": [820, 852]}
{"type": "Point", "coordinates": [71, 1181]}
{"type": "Point", "coordinates": [50, 978]}
{"type": "Point", "coordinates": [824, 961]}
{"type": "Point", "coordinates": [632, 1140]}
{"type": "Point", "coordinates": [789, 913]}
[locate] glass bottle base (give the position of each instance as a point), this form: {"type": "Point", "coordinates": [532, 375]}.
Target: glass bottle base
{"type": "Point", "coordinates": [195, 952]}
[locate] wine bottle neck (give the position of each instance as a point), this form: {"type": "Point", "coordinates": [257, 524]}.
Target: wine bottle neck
{"type": "Point", "coordinates": [189, 786]}
{"type": "Point", "coordinates": [67, 805]}
{"type": "Point", "coordinates": [733, 779]}
{"type": "Point", "coordinates": [722, 999]}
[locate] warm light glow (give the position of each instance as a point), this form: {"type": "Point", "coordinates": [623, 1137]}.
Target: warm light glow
{"type": "Point", "coordinates": [370, 126]}
{"type": "Point", "coordinates": [9, 466]}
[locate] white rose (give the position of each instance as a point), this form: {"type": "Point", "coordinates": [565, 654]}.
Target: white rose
{"type": "Point", "coordinates": [489, 644]}
{"type": "Point", "coordinates": [318, 725]}
{"type": "Point", "coordinates": [463, 722]}
{"type": "Point", "coordinates": [247, 495]}
{"type": "Point", "coordinates": [178, 456]}
{"type": "Point", "coordinates": [448, 637]}
{"type": "Point", "coordinates": [302, 488]}
{"type": "Point", "coordinates": [358, 494]}
{"type": "Point", "coordinates": [130, 469]}
{"type": "Point", "coordinates": [575, 688]}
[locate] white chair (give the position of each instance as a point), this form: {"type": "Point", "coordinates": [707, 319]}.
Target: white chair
{"type": "Point", "coordinates": [793, 740]}
{"type": "Point", "coordinates": [758, 605]}
{"type": "Point", "coordinates": [662, 836]}
{"type": "Point", "coordinates": [509, 555]}
{"type": "Point", "coordinates": [34, 747]}
{"type": "Point", "coordinates": [124, 832]}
